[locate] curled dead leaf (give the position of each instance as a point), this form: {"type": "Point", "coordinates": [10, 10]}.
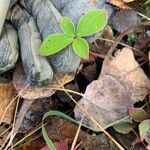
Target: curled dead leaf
{"type": "Point", "coordinates": [125, 68]}
{"type": "Point", "coordinates": [121, 84]}
{"type": "Point", "coordinates": [27, 91]}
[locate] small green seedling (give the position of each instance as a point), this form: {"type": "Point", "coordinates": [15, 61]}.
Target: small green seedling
{"type": "Point", "coordinates": [92, 22]}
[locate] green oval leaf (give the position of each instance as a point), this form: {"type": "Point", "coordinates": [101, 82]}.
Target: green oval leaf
{"type": "Point", "coordinates": [81, 47]}
{"type": "Point", "coordinates": [124, 127]}
{"type": "Point", "coordinates": [144, 128]}
{"type": "Point", "coordinates": [54, 43]}
{"type": "Point", "coordinates": [93, 21]}
{"type": "Point", "coordinates": [67, 27]}
{"type": "Point", "coordinates": [138, 114]}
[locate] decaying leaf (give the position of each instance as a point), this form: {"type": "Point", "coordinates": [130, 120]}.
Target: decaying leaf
{"type": "Point", "coordinates": [121, 84]}
{"type": "Point", "coordinates": [35, 144]}
{"type": "Point", "coordinates": [138, 114]}
{"type": "Point", "coordinates": [144, 130]}
{"type": "Point", "coordinates": [124, 127]}
{"type": "Point", "coordinates": [90, 72]}
{"type": "Point", "coordinates": [129, 141]}
{"type": "Point", "coordinates": [60, 129]}
{"type": "Point", "coordinates": [142, 42]}
{"type": "Point", "coordinates": [122, 4]}
{"type": "Point", "coordinates": [20, 117]}
{"type": "Point", "coordinates": [125, 68]}
{"type": "Point", "coordinates": [3, 135]}
{"type": "Point", "coordinates": [28, 91]}
{"type": "Point", "coordinates": [7, 93]}
{"type": "Point", "coordinates": [61, 145]}
{"type": "Point", "coordinates": [103, 44]}
{"type": "Point", "coordinates": [31, 113]}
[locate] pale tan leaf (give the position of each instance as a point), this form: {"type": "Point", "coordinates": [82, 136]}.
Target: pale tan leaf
{"type": "Point", "coordinates": [125, 68]}
{"type": "Point", "coordinates": [121, 84]}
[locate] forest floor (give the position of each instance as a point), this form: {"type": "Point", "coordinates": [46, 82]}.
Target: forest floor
{"type": "Point", "coordinates": [104, 105]}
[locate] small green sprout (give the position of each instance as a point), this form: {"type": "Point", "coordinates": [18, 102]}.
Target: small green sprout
{"type": "Point", "coordinates": [131, 38]}
{"type": "Point", "coordinates": [92, 22]}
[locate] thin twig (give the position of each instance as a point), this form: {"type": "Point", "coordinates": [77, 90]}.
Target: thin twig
{"type": "Point", "coordinates": [5, 131]}
{"type": "Point", "coordinates": [123, 44]}
{"type": "Point", "coordinates": [25, 137]}
{"type": "Point", "coordinates": [77, 134]}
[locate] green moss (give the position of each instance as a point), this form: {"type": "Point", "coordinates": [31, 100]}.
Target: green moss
{"type": "Point", "coordinates": [131, 38]}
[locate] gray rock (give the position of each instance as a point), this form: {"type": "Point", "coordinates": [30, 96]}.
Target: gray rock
{"type": "Point", "coordinates": [4, 5]}
{"type": "Point", "coordinates": [12, 2]}
{"type": "Point", "coordinates": [123, 19]}
{"type": "Point", "coordinates": [60, 4]}
{"type": "Point", "coordinates": [48, 19]}
{"type": "Point", "coordinates": [37, 69]}
{"type": "Point", "coordinates": [8, 48]}
{"type": "Point", "coordinates": [77, 8]}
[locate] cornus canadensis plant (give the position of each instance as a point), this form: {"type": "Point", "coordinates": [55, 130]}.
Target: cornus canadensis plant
{"type": "Point", "coordinates": [93, 21]}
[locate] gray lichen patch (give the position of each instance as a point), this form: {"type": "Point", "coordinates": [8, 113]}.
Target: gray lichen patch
{"type": "Point", "coordinates": [8, 48]}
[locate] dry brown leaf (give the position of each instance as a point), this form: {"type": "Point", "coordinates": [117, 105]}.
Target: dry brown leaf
{"type": "Point", "coordinates": [120, 3]}
{"type": "Point", "coordinates": [61, 129]}
{"type": "Point", "coordinates": [121, 84]}
{"type": "Point", "coordinates": [142, 42]}
{"type": "Point", "coordinates": [104, 43]}
{"type": "Point", "coordinates": [3, 135]}
{"type": "Point", "coordinates": [90, 72]}
{"type": "Point", "coordinates": [36, 144]}
{"type": "Point", "coordinates": [7, 93]}
{"type": "Point", "coordinates": [30, 92]}
{"type": "Point", "coordinates": [31, 113]}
